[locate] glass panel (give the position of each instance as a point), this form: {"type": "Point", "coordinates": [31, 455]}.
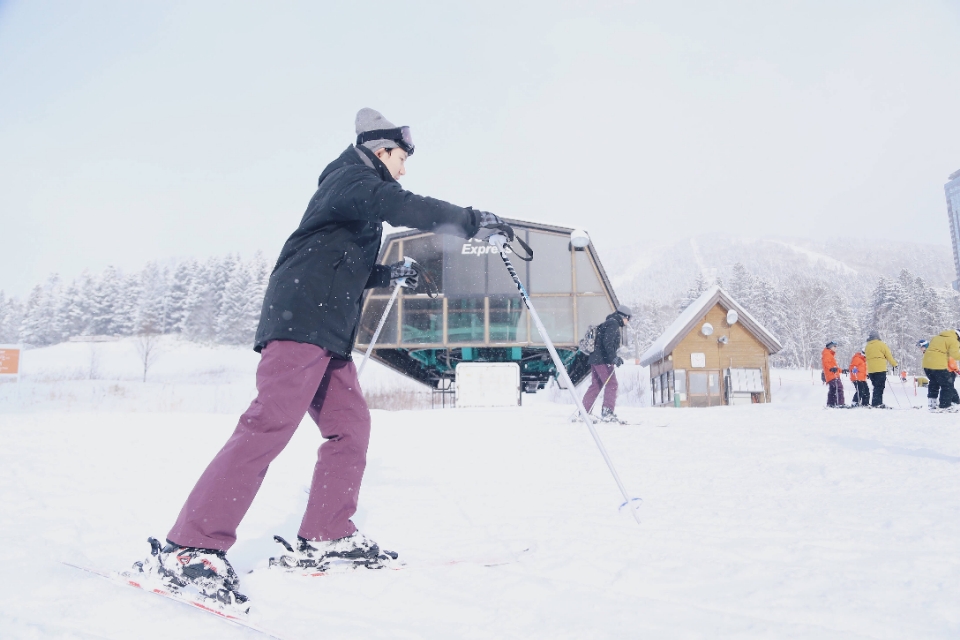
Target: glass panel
{"type": "Point", "coordinates": [656, 390]}
{"type": "Point", "coordinates": [557, 317]}
{"type": "Point", "coordinates": [465, 267]}
{"type": "Point", "coordinates": [587, 280]}
{"type": "Point", "coordinates": [698, 384]}
{"type": "Point", "coordinates": [422, 320]}
{"type": "Point", "coordinates": [465, 320]}
{"type": "Point", "coordinates": [499, 282]}
{"type": "Point", "coordinates": [508, 320]}
{"type": "Point", "coordinates": [388, 258]}
{"type": "Point", "coordinates": [371, 316]}
{"type": "Point", "coordinates": [670, 387]}
{"type": "Point", "coordinates": [551, 270]}
{"type": "Point", "coordinates": [428, 251]}
{"type": "Point", "coordinates": [714, 379]}
{"type": "Point", "coordinates": [680, 381]}
{"type": "Point", "coordinates": [590, 310]}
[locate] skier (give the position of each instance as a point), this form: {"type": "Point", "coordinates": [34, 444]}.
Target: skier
{"type": "Point", "coordinates": [831, 374]}
{"type": "Point", "coordinates": [858, 376]}
{"type": "Point", "coordinates": [307, 327]}
{"type": "Point", "coordinates": [936, 364]}
{"type": "Point", "coordinates": [603, 361]}
{"type": "Point", "coordinates": [878, 355]}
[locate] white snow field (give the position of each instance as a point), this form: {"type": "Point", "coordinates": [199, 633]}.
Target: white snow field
{"type": "Point", "coordinates": [777, 521]}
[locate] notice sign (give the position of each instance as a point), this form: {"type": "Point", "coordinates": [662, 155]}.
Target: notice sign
{"type": "Point", "coordinates": [9, 360]}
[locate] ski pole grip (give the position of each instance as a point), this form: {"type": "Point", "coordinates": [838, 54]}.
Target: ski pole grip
{"type": "Point", "coordinates": [498, 239]}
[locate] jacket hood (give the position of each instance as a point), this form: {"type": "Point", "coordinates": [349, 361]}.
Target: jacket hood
{"type": "Point", "coordinates": [356, 156]}
{"type": "Point", "coordinates": [616, 316]}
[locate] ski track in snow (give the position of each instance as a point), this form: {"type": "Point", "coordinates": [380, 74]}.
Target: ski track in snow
{"type": "Point", "coordinates": [775, 521]}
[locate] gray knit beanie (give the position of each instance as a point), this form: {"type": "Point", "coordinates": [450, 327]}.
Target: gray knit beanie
{"type": "Point", "coordinates": [371, 120]}
{"type": "Point", "coordinates": [873, 335]}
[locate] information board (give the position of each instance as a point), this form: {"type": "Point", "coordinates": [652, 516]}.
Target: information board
{"type": "Point", "coordinates": [10, 360]}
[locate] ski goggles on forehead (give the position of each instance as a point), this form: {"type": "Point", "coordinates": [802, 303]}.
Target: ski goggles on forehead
{"type": "Point", "coordinates": [400, 135]}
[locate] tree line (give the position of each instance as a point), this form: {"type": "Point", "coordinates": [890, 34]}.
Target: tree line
{"type": "Point", "coordinates": [219, 301]}
{"type": "Point", "coordinates": [805, 313]}
{"type": "Point", "coordinates": [213, 301]}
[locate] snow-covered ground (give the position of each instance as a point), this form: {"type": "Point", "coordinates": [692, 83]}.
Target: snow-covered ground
{"type": "Point", "coordinates": [775, 521]}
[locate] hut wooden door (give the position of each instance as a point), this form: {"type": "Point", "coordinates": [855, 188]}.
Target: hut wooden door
{"type": "Point", "coordinates": [704, 389]}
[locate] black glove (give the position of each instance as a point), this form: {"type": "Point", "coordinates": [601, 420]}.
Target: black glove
{"type": "Point", "coordinates": [833, 370]}
{"type": "Point", "coordinates": [410, 274]}
{"type": "Point", "coordinates": [495, 224]}
{"type": "Point", "coordinates": [845, 371]}
{"type": "Point", "coordinates": [619, 361]}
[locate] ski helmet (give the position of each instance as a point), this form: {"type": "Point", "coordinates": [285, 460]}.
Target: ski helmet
{"type": "Point", "coordinates": [831, 344]}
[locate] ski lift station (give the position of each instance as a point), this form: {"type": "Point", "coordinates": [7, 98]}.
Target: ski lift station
{"type": "Point", "coordinates": [715, 353]}
{"type": "Point", "coordinates": [479, 317]}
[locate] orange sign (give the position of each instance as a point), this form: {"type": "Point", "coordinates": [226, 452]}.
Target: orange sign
{"type": "Point", "coordinates": [9, 360]}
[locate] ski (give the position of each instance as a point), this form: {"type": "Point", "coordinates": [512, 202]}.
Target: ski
{"type": "Point", "coordinates": [390, 564]}
{"type": "Point", "coordinates": [129, 581]}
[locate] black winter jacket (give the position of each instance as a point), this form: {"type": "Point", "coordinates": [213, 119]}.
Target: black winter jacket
{"type": "Point", "coordinates": [607, 341]}
{"type": "Point", "coordinates": [316, 287]}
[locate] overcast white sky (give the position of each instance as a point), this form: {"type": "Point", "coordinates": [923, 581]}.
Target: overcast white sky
{"type": "Point", "coordinates": [143, 130]}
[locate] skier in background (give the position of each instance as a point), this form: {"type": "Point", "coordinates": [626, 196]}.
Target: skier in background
{"type": "Point", "coordinates": [858, 376]}
{"type": "Point", "coordinates": [831, 375]}
{"type": "Point", "coordinates": [936, 364]}
{"type": "Point", "coordinates": [878, 355]}
{"type": "Point", "coordinates": [307, 327]}
{"type": "Point", "coordinates": [603, 362]}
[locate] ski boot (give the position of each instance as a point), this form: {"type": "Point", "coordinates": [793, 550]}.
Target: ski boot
{"type": "Point", "coordinates": [350, 552]}
{"type": "Point", "coordinates": [204, 573]}
{"type": "Point", "coordinates": [933, 404]}
{"type": "Point", "coordinates": [607, 415]}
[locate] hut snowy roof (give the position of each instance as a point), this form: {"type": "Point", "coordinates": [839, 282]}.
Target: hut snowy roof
{"type": "Point", "coordinates": [692, 316]}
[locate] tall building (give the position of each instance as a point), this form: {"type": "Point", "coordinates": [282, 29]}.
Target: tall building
{"type": "Point", "coordinates": [952, 189]}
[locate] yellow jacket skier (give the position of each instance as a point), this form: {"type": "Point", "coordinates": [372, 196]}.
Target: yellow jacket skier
{"type": "Point", "coordinates": [878, 355]}
{"type": "Point", "coordinates": [936, 364]}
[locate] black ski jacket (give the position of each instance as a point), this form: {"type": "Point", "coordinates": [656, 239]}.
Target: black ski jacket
{"type": "Point", "coordinates": [316, 287]}
{"type": "Point", "coordinates": [607, 341]}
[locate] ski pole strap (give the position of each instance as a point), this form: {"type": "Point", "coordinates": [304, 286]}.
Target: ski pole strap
{"type": "Point", "coordinates": [433, 291]}
{"type": "Point", "coordinates": [524, 245]}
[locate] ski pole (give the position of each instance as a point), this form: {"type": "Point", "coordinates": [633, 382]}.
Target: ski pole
{"type": "Point", "coordinates": [499, 240]}
{"type": "Point", "coordinates": [383, 319]}
{"type": "Point", "coordinates": [895, 397]}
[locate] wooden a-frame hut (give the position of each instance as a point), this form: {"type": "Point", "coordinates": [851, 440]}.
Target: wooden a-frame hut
{"type": "Point", "coordinates": [715, 353]}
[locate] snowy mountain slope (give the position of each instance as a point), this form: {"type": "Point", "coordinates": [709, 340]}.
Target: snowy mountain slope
{"type": "Point", "coordinates": [782, 520]}
{"type": "Point", "coordinates": [663, 271]}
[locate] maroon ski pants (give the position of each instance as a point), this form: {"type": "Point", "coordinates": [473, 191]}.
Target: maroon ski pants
{"type": "Point", "coordinates": [293, 378]}
{"type": "Point", "coordinates": [599, 374]}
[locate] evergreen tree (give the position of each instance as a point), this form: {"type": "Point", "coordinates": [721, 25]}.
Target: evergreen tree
{"type": "Point", "coordinates": [11, 317]}
{"type": "Point", "coordinates": [152, 301]}
{"type": "Point", "coordinates": [177, 295]}
{"type": "Point", "coordinates": [126, 321]}
{"type": "Point", "coordinates": [103, 303]}
{"type": "Point", "coordinates": [200, 306]}
{"type": "Point", "coordinates": [232, 327]}
{"type": "Point", "coordinates": [694, 292]}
